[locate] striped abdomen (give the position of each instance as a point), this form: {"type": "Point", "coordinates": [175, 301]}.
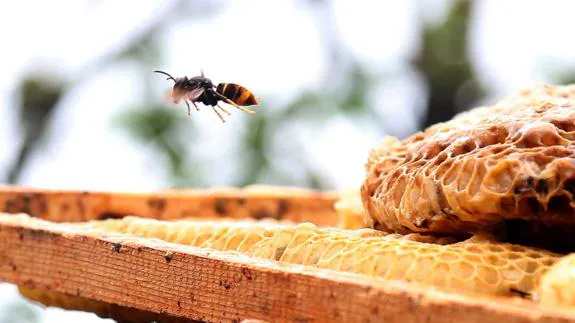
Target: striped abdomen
{"type": "Point", "coordinates": [237, 94]}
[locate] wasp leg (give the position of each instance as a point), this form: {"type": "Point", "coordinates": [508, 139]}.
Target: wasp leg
{"type": "Point", "coordinates": [195, 106]}
{"type": "Point", "coordinates": [189, 111]}
{"type": "Point", "coordinates": [226, 111]}
{"type": "Point", "coordinates": [219, 115]}
{"type": "Point", "coordinates": [228, 101]}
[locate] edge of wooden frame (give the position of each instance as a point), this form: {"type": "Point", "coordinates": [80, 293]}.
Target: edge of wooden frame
{"type": "Point", "coordinates": [206, 285]}
{"type": "Point", "coordinates": [258, 201]}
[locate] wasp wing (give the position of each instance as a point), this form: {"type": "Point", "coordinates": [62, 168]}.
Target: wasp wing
{"type": "Point", "coordinates": [194, 94]}
{"type": "Point", "coordinates": [176, 96]}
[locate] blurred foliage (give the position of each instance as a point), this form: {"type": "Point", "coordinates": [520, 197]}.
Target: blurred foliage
{"type": "Point", "coordinates": [163, 129]}
{"type": "Point", "coordinates": [346, 91]}
{"type": "Point", "coordinates": [311, 107]}
{"type": "Point", "coordinates": [567, 77]}
{"type": "Point", "coordinates": [444, 64]}
{"type": "Point", "coordinates": [350, 99]}
{"type": "Point", "coordinates": [442, 61]}
{"type": "Point", "coordinates": [254, 144]}
{"type": "Point", "coordinates": [559, 72]}
{"type": "Point", "coordinates": [39, 96]}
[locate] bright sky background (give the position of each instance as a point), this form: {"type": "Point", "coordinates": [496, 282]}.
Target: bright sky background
{"type": "Point", "coordinates": [281, 51]}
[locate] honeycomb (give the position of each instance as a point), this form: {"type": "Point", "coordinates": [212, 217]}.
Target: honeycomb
{"type": "Point", "coordinates": [512, 160]}
{"type": "Point", "coordinates": [477, 265]}
{"type": "Point", "coordinates": [556, 287]}
{"type": "Point", "coordinates": [351, 213]}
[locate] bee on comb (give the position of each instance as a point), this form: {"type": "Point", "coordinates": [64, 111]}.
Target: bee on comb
{"type": "Point", "coordinates": [201, 89]}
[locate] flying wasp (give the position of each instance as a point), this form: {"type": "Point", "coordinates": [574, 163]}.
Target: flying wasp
{"type": "Point", "coordinates": [201, 89]}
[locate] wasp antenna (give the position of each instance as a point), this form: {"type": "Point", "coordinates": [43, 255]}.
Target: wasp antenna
{"type": "Point", "coordinates": [202, 72]}
{"type": "Point", "coordinates": [169, 76]}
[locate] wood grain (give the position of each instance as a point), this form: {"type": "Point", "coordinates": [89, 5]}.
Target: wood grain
{"type": "Point", "coordinates": [180, 281]}
{"type": "Point", "coordinates": [293, 204]}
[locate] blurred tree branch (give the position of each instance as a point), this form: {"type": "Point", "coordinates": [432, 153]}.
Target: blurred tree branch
{"type": "Point", "coordinates": [39, 96]}
{"type": "Point", "coordinates": [444, 64]}
{"type": "Point", "coordinates": [345, 90]}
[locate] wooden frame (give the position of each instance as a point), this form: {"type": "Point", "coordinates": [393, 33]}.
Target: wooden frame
{"type": "Point", "coordinates": [198, 284]}
{"type": "Point", "coordinates": [297, 205]}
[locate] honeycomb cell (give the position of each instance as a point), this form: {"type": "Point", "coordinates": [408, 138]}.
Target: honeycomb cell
{"type": "Point", "coordinates": [448, 256]}
{"type": "Point", "coordinates": [438, 276]}
{"type": "Point", "coordinates": [488, 275]}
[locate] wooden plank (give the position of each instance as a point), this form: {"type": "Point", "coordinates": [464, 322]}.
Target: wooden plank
{"type": "Point", "coordinates": [283, 203]}
{"type": "Point", "coordinates": [181, 281]}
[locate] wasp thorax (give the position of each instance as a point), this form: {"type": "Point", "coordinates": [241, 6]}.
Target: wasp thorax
{"type": "Point", "coordinates": [201, 81]}
{"type": "Point", "coordinates": [182, 83]}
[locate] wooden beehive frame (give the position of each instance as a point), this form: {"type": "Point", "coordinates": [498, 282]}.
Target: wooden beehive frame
{"type": "Point", "coordinates": [297, 205]}
{"type": "Point", "coordinates": [198, 284]}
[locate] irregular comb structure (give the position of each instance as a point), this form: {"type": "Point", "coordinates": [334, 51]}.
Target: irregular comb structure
{"type": "Point", "coordinates": [475, 265]}
{"type": "Point", "coordinates": [512, 160]}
